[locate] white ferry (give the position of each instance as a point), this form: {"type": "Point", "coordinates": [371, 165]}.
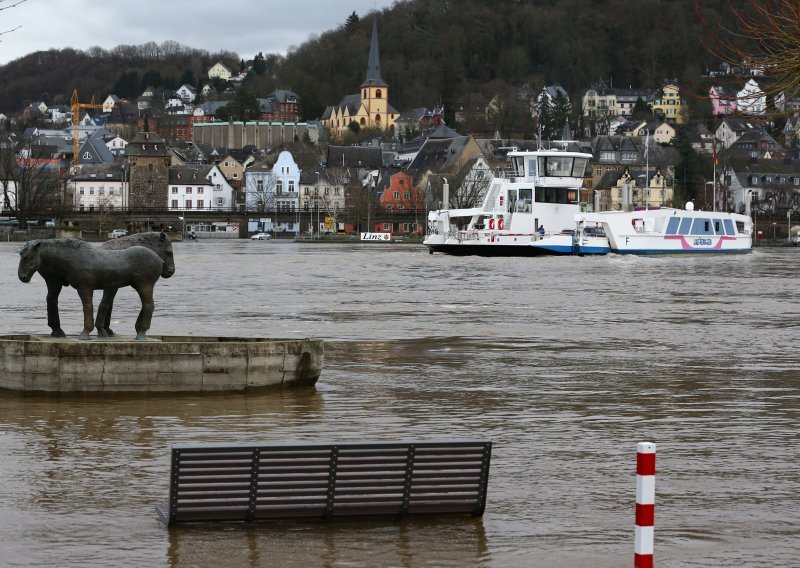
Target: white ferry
{"type": "Point", "coordinates": [670, 231]}
{"type": "Point", "coordinates": [531, 212]}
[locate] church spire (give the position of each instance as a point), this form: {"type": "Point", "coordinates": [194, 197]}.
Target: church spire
{"type": "Point", "coordinates": [374, 63]}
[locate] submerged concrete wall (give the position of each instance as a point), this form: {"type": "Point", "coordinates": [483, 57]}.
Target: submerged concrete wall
{"type": "Point", "coordinates": [33, 363]}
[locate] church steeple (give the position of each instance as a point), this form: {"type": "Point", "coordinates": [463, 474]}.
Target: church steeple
{"type": "Point", "coordinates": [374, 78]}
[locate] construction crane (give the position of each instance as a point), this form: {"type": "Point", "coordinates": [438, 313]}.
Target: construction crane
{"type": "Point", "coordinates": [76, 118]}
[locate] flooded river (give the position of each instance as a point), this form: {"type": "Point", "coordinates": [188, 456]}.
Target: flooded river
{"type": "Point", "coordinates": [565, 363]}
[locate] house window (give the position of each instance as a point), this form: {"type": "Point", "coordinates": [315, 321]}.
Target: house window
{"type": "Point", "coordinates": [336, 191]}
{"type": "Point", "coordinates": [396, 195]}
{"type": "Point", "coordinates": [407, 195]}
{"type": "Point", "coordinates": [291, 186]}
{"type": "Point", "coordinates": [199, 190]}
{"type": "Point", "coordinates": [386, 227]}
{"type": "Point", "coordinates": [174, 190]}
{"type": "Point", "coordinates": [219, 187]}
{"type": "Point", "coordinates": [101, 190]}
{"type": "Point", "coordinates": [91, 191]}
{"type": "Point", "coordinates": [220, 201]}
{"type": "Point", "coordinates": [305, 192]}
{"type": "Point", "coordinates": [400, 208]}
{"type": "Point", "coordinates": [260, 185]}
{"type": "Point", "coordinates": [200, 204]}
{"type": "Point", "coordinates": [81, 206]}
{"type": "Point", "coordinates": [388, 208]}
{"type": "Point", "coordinates": [174, 204]}
{"type": "Point", "coordinates": [235, 175]}
{"type": "Point", "coordinates": [188, 191]}
{"type": "Point", "coordinates": [81, 190]}
{"type": "Point", "coordinates": [327, 191]}
{"type": "Point", "coordinates": [188, 204]}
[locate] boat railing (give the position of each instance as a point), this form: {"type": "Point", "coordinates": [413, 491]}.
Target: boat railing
{"type": "Point", "coordinates": [464, 236]}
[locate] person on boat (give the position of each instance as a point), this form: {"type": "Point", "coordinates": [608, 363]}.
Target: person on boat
{"type": "Point", "coordinates": [540, 230]}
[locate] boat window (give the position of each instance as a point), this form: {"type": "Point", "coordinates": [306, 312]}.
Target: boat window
{"type": "Point", "coordinates": [702, 227]}
{"type": "Point", "coordinates": [519, 166]}
{"type": "Point", "coordinates": [555, 166]}
{"type": "Point", "coordinates": [579, 167]}
{"type": "Point", "coordinates": [740, 227]}
{"type": "Point", "coordinates": [672, 226]}
{"type": "Point", "coordinates": [540, 195]}
{"type": "Point", "coordinates": [718, 229]}
{"type": "Point", "coordinates": [551, 195]}
{"type": "Point", "coordinates": [729, 227]}
{"type": "Point", "coordinates": [563, 195]}
{"type": "Point", "coordinates": [686, 225]}
{"type": "Point", "coordinates": [525, 200]}
{"type": "Point", "coordinates": [532, 167]}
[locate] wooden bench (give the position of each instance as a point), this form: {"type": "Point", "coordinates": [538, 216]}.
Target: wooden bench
{"type": "Point", "coordinates": [279, 481]}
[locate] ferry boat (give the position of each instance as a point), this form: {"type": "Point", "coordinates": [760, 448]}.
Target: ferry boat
{"type": "Point", "coordinates": [529, 213]}
{"type": "Point", "coordinates": [670, 231]}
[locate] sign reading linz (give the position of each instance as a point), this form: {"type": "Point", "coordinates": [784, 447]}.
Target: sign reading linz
{"type": "Point", "coordinates": [376, 236]}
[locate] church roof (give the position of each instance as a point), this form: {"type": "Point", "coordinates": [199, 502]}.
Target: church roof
{"type": "Point", "coordinates": [374, 78]}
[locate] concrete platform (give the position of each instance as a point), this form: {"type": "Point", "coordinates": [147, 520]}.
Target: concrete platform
{"type": "Point", "coordinates": [43, 364]}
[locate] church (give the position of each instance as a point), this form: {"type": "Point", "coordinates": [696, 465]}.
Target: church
{"type": "Point", "coordinates": [370, 108]}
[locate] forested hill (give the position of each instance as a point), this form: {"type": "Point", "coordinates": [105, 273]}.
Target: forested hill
{"type": "Point", "coordinates": [431, 51]}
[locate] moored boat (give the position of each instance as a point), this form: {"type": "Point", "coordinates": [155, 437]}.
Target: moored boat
{"type": "Point", "coordinates": [529, 212]}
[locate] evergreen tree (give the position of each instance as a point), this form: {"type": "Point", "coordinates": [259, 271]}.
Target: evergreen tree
{"type": "Point", "coordinates": [561, 112]}
{"type": "Point", "coordinates": [641, 110]}
{"type": "Point", "coordinates": [351, 22]}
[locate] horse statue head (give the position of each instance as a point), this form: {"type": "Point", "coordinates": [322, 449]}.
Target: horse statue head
{"type": "Point", "coordinates": [29, 261]}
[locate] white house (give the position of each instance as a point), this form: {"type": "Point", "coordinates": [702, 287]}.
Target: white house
{"type": "Point", "coordinates": [277, 189]}
{"type": "Point", "coordinates": [117, 145]}
{"type": "Point", "coordinates": [108, 104]}
{"type": "Point", "coordinates": [99, 188]}
{"type": "Point", "coordinates": [751, 100]}
{"type": "Point", "coordinates": [219, 71]}
{"type": "Point", "coordinates": [222, 191]}
{"type": "Point", "coordinates": [187, 93]}
{"type": "Point", "coordinates": [190, 189]}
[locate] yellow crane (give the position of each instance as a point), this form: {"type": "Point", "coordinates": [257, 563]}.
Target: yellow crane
{"type": "Point", "coordinates": [76, 112]}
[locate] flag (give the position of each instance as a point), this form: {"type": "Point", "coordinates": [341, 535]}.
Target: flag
{"type": "Point", "coordinates": [647, 144]}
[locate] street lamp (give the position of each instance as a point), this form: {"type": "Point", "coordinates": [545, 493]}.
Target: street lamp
{"type": "Point", "coordinates": [316, 202]}
{"type": "Point", "coordinates": [751, 194]}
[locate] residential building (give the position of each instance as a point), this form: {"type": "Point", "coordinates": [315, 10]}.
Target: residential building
{"type": "Point", "coordinates": [322, 199]}
{"type": "Point", "coordinates": [662, 133]}
{"type": "Point", "coordinates": [751, 100]}
{"type": "Point", "coordinates": [669, 106]}
{"type": "Point", "coordinates": [190, 188]}
{"type": "Point", "coordinates": [370, 107]}
{"type": "Point", "coordinates": [219, 71]}
{"type": "Point", "coordinates": [731, 129]}
{"type": "Point", "coordinates": [108, 104]}
{"type": "Point", "coordinates": [602, 101]}
{"type": "Point", "coordinates": [99, 188]}
{"type": "Point", "coordinates": [186, 93]}
{"type": "Point", "coordinates": [655, 193]}
{"type": "Point", "coordinates": [723, 100]}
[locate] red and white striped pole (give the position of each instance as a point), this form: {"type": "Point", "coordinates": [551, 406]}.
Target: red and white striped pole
{"type": "Point", "coordinates": [645, 504]}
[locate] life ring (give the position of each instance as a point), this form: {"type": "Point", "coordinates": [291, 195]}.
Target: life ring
{"type": "Point", "coordinates": [491, 223]}
{"type": "Point", "coordinates": [500, 225]}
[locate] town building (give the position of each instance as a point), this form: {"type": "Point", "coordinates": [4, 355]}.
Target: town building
{"type": "Point", "coordinates": [147, 161]}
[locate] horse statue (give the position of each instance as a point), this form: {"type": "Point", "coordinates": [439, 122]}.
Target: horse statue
{"type": "Point", "coordinates": [76, 263]}
{"type": "Point", "coordinates": [157, 242]}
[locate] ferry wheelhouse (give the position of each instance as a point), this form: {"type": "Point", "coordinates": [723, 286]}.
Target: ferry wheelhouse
{"type": "Point", "coordinates": [529, 212]}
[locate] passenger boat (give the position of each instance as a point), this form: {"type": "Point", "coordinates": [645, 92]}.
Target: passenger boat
{"type": "Point", "coordinates": [670, 231]}
{"type": "Point", "coordinates": [530, 212]}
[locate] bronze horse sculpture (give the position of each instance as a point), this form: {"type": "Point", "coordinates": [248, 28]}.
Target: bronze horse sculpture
{"type": "Point", "coordinates": [76, 263]}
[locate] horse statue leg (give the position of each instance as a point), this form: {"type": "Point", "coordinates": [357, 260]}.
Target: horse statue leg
{"type": "Point", "coordinates": [145, 292]}
{"type": "Point", "coordinates": [53, 320]}
{"type": "Point", "coordinates": [88, 311]}
{"type": "Point", "coordinates": [103, 319]}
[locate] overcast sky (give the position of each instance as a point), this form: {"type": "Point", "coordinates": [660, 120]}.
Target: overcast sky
{"type": "Point", "coordinates": [243, 26]}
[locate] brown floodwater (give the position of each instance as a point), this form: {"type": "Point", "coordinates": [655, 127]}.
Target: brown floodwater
{"type": "Point", "coordinates": [564, 363]}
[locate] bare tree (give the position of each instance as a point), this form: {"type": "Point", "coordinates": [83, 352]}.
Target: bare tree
{"type": "Point", "coordinates": [32, 182]}
{"type": "Point", "coordinates": [332, 198]}
{"type": "Point", "coordinates": [470, 184]}
{"type": "Point", "coordinates": [261, 193]}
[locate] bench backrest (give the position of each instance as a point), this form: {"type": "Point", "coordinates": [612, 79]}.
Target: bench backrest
{"type": "Point", "coordinates": [278, 481]}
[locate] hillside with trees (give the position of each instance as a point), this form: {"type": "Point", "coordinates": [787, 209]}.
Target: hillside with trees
{"type": "Point", "coordinates": [431, 51]}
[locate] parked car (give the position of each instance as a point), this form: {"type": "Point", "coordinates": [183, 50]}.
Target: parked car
{"type": "Point", "coordinates": [189, 235]}
{"type": "Point", "coordinates": [261, 237]}
{"type": "Point", "coordinates": [117, 233]}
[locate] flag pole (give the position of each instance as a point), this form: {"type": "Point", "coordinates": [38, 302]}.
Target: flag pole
{"type": "Point", "coordinates": [714, 191]}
